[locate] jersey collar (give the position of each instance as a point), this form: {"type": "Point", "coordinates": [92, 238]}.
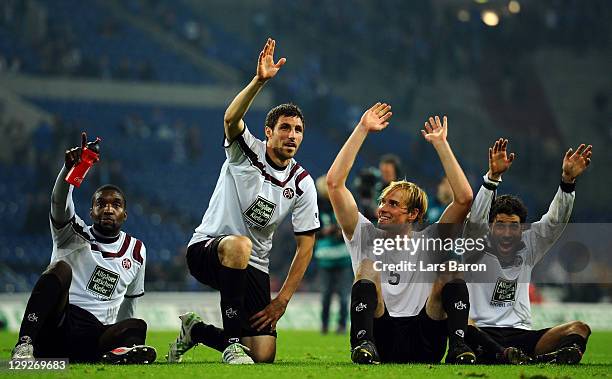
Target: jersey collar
{"type": "Point", "coordinates": [274, 165]}
{"type": "Point", "coordinates": [102, 238]}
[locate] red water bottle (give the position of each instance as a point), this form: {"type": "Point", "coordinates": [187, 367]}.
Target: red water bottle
{"type": "Point", "coordinates": [90, 154]}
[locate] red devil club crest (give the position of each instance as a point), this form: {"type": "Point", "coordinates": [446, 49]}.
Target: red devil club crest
{"type": "Point", "coordinates": [126, 263]}
{"type": "Point", "coordinates": [288, 193]}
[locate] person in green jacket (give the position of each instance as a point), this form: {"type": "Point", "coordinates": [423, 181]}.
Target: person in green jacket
{"type": "Point", "coordinates": [333, 261]}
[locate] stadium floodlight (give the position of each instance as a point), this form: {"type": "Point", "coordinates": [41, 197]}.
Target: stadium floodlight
{"type": "Point", "coordinates": [463, 15]}
{"type": "Point", "coordinates": [514, 7]}
{"type": "Point", "coordinates": [490, 18]}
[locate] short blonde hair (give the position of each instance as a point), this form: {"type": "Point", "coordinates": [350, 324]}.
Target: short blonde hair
{"type": "Point", "coordinates": [412, 196]}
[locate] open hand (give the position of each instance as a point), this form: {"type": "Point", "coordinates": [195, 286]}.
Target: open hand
{"type": "Point", "coordinates": [266, 68]}
{"type": "Point", "coordinates": [499, 160]}
{"type": "Point", "coordinates": [377, 117]}
{"type": "Point", "coordinates": [435, 131]}
{"type": "Point", "coordinates": [574, 163]}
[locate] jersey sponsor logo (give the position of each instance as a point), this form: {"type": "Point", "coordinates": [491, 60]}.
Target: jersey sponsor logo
{"type": "Point", "coordinates": [460, 333]}
{"type": "Point", "coordinates": [126, 263]}
{"type": "Point", "coordinates": [361, 334]}
{"type": "Point", "coordinates": [360, 307]}
{"type": "Point", "coordinates": [460, 305]}
{"type": "Point", "coordinates": [260, 212]}
{"type": "Point", "coordinates": [32, 317]}
{"type": "Point", "coordinates": [504, 293]}
{"type": "Point", "coordinates": [103, 282]}
{"type": "Point", "coordinates": [288, 193]}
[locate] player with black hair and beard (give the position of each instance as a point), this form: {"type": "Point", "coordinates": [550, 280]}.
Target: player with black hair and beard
{"type": "Point", "coordinates": [259, 185]}
{"type": "Point", "coordinates": [82, 306]}
{"type": "Point", "coordinates": [405, 316]}
{"type": "Point", "coordinates": [500, 298]}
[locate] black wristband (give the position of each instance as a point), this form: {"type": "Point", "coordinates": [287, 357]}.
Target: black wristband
{"type": "Point", "coordinates": [567, 187]}
{"type": "Point", "coordinates": [489, 186]}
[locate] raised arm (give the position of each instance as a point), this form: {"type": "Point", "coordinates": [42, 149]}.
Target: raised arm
{"type": "Point", "coordinates": [62, 207]}
{"type": "Point", "coordinates": [477, 225]}
{"type": "Point", "coordinates": [435, 133]}
{"type": "Point", "coordinates": [373, 120]}
{"type": "Point", "coordinates": [499, 162]}
{"type": "Point", "coordinates": [574, 164]}
{"type": "Point", "coordinates": [266, 70]}
{"type": "Point", "coordinates": [544, 232]}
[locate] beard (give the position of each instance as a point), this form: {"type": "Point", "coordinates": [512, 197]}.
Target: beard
{"type": "Point", "coordinates": [283, 154]}
{"type": "Point", "coordinates": [107, 228]}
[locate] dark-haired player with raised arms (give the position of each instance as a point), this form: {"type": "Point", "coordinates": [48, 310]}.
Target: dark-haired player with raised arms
{"type": "Point", "coordinates": [259, 185]}
{"type": "Point", "coordinates": [500, 298]}
{"type": "Point", "coordinates": [82, 306]}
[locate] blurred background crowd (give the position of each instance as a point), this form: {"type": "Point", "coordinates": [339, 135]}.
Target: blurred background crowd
{"type": "Point", "coordinates": [536, 72]}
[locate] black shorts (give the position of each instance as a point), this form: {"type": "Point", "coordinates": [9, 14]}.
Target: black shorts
{"type": "Point", "coordinates": [75, 337]}
{"type": "Point", "coordinates": [410, 339]}
{"type": "Point", "coordinates": [525, 340]}
{"type": "Point", "coordinates": [204, 265]}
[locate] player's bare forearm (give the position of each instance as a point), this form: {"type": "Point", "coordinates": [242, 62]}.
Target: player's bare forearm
{"type": "Point", "coordinates": [340, 169]}
{"type": "Point", "coordinates": [301, 260]}
{"type": "Point", "coordinates": [340, 197]}
{"type": "Point", "coordinates": [462, 192]}
{"type": "Point", "coordinates": [232, 121]}
{"type": "Point", "coordinates": [269, 316]}
{"type": "Point", "coordinates": [62, 208]}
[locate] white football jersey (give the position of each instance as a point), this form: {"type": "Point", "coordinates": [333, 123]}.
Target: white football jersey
{"type": "Point", "coordinates": [104, 271]}
{"type": "Point", "coordinates": [405, 292]}
{"type": "Point", "coordinates": [253, 196]}
{"type": "Point", "coordinates": [499, 297]}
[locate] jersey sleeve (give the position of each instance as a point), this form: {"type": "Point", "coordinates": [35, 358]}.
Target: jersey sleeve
{"type": "Point", "coordinates": [243, 148]}
{"type": "Point", "coordinates": [477, 223]}
{"type": "Point", "coordinates": [69, 237]}
{"type": "Point", "coordinates": [136, 287]}
{"type": "Point", "coordinates": [545, 232]}
{"type": "Point", "coordinates": [62, 206]}
{"type": "Point", "coordinates": [305, 216]}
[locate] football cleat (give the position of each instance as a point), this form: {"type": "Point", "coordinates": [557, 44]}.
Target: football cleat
{"type": "Point", "coordinates": [235, 354]}
{"type": "Point", "coordinates": [139, 354]}
{"type": "Point", "coordinates": [514, 356]}
{"type": "Point", "coordinates": [460, 354]}
{"type": "Point", "coordinates": [365, 353]}
{"type": "Point", "coordinates": [569, 355]}
{"type": "Point", "coordinates": [23, 351]}
{"type": "Point", "coordinates": [183, 342]}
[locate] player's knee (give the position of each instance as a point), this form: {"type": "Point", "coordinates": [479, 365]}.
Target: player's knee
{"type": "Point", "coordinates": [580, 328]}
{"type": "Point", "coordinates": [366, 271]}
{"type": "Point", "coordinates": [264, 355]}
{"type": "Point", "coordinates": [234, 251]}
{"type": "Point", "coordinates": [62, 271]}
{"type": "Point", "coordinates": [448, 277]}
{"type": "Point", "coordinates": [136, 324]}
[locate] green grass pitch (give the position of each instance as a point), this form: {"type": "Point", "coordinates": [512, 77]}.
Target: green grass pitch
{"type": "Point", "coordinates": [303, 354]}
